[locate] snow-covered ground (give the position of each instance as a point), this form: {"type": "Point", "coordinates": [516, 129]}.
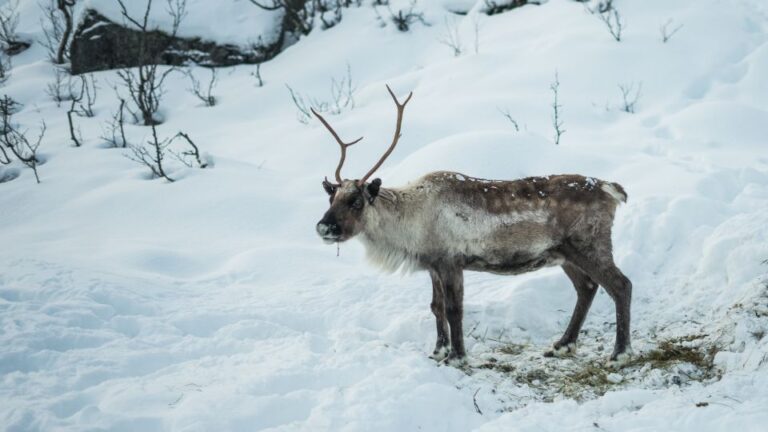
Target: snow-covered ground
{"type": "Point", "coordinates": [129, 303]}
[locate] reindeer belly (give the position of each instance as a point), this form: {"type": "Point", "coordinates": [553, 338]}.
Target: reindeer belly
{"type": "Point", "coordinates": [516, 263]}
{"type": "Point", "coordinates": [515, 248]}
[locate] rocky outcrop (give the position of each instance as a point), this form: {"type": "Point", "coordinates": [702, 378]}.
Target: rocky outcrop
{"type": "Point", "coordinates": [100, 44]}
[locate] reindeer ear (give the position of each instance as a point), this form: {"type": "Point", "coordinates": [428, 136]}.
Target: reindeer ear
{"type": "Point", "coordinates": [373, 189]}
{"type": "Point", "coordinates": [329, 187]}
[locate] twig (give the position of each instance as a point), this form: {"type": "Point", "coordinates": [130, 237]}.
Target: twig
{"type": "Point", "coordinates": [474, 400]}
{"type": "Point", "coordinates": [195, 152]}
{"type": "Point", "coordinates": [257, 75]}
{"type": "Point", "coordinates": [557, 122]}
{"type": "Point", "coordinates": [666, 33]}
{"type": "Point", "coordinates": [505, 112]}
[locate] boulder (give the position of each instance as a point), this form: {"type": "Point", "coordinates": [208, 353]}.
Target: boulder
{"type": "Point", "coordinates": [101, 44]}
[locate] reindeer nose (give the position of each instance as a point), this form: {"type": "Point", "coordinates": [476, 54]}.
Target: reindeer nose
{"type": "Point", "coordinates": [328, 229]}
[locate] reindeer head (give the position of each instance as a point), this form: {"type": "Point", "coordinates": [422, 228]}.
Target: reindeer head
{"type": "Point", "coordinates": [350, 199]}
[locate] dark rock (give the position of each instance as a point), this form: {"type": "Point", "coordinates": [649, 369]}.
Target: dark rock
{"type": "Point", "coordinates": [100, 44]}
{"type": "Point", "coordinates": [493, 7]}
{"type": "Point", "coordinates": [16, 47]}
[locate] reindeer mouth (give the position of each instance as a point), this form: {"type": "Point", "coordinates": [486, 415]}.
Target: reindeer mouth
{"type": "Point", "coordinates": [332, 239]}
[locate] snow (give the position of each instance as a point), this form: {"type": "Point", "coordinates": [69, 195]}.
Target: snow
{"type": "Point", "coordinates": [129, 303]}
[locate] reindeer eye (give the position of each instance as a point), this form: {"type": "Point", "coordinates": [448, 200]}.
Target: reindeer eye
{"type": "Point", "coordinates": [357, 203]}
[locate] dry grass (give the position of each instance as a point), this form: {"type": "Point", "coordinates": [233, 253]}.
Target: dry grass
{"type": "Point", "coordinates": [582, 378]}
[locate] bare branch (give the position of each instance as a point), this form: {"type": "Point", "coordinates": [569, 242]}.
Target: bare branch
{"type": "Point", "coordinates": [508, 116]}
{"type": "Point", "coordinates": [142, 26]}
{"type": "Point", "coordinates": [610, 16]}
{"type": "Point", "coordinates": [195, 152]}
{"type": "Point", "coordinates": [666, 32]}
{"type": "Point", "coordinates": [557, 121]}
{"type": "Point", "coordinates": [89, 90]}
{"type": "Point", "coordinates": [67, 9]}
{"type": "Point", "coordinates": [114, 133]}
{"type": "Point", "coordinates": [257, 74]}
{"type": "Point", "coordinates": [72, 111]}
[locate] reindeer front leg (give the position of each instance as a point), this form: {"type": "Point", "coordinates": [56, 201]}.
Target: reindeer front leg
{"type": "Point", "coordinates": [442, 346]}
{"type": "Point", "coordinates": [453, 282]}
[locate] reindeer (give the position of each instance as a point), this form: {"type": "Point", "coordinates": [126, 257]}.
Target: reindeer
{"type": "Point", "coordinates": [447, 222]}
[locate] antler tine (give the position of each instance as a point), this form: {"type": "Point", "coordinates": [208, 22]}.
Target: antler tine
{"type": "Point", "coordinates": [395, 139]}
{"type": "Point", "coordinates": [342, 144]}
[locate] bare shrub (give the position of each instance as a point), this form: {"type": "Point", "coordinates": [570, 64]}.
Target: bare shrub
{"type": "Point", "coordinates": [10, 41]}
{"type": "Point", "coordinates": [151, 154]}
{"type": "Point", "coordinates": [630, 94]}
{"type": "Point", "coordinates": [610, 16]}
{"type": "Point", "coordinates": [451, 37]}
{"type": "Point", "coordinates": [145, 84]}
{"type": "Point", "coordinates": [205, 95]}
{"type": "Point", "coordinates": [145, 91]}
{"type": "Point", "coordinates": [60, 90]}
{"type": "Point", "coordinates": [190, 157]}
{"type": "Point", "coordinates": [403, 19]}
{"type": "Point", "coordinates": [16, 141]}
{"type": "Point", "coordinates": [342, 98]}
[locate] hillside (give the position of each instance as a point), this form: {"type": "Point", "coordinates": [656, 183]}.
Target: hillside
{"type": "Point", "coordinates": [129, 302]}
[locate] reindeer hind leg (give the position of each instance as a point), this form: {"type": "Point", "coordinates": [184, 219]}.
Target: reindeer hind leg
{"type": "Point", "coordinates": [598, 264]}
{"type": "Point", "coordinates": [586, 289]}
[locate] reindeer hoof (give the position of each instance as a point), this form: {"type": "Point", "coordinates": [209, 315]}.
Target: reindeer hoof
{"type": "Point", "coordinates": [561, 350]}
{"type": "Point", "coordinates": [455, 360]}
{"type": "Point", "coordinates": [440, 354]}
{"type": "Point", "coordinates": [619, 359]}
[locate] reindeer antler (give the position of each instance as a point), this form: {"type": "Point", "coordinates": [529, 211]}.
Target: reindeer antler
{"type": "Point", "coordinates": [342, 144]}
{"type": "Point", "coordinates": [395, 139]}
